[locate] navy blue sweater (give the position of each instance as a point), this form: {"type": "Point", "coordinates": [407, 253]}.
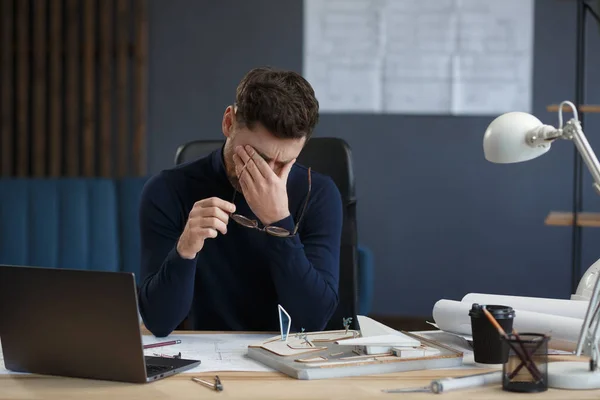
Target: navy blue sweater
{"type": "Point", "coordinates": [237, 280]}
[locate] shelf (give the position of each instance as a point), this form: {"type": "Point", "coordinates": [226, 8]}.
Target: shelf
{"type": "Point", "coordinates": [586, 108]}
{"type": "Point", "coordinates": [560, 218]}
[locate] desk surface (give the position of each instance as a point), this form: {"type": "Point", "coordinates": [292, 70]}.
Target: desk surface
{"type": "Point", "coordinates": [253, 385]}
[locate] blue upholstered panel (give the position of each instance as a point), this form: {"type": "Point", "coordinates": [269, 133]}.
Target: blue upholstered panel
{"type": "Point", "coordinates": [104, 245]}
{"type": "Point", "coordinates": [59, 223]}
{"type": "Point", "coordinates": [74, 226]}
{"type": "Point", "coordinates": [129, 191]}
{"type": "Point", "coordinates": [42, 200]}
{"type": "Point", "coordinates": [13, 222]}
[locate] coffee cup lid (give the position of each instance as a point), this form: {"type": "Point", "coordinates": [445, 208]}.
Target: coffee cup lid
{"type": "Point", "coordinates": [498, 311]}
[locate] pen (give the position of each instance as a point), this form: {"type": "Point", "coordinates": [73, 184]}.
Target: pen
{"type": "Point", "coordinates": [168, 356]}
{"type": "Point", "coordinates": [161, 344]}
{"type": "Point", "coordinates": [218, 386]}
{"type": "Point", "coordinates": [447, 384]}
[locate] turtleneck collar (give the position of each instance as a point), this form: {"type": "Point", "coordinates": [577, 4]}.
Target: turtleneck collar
{"type": "Point", "coordinates": [218, 164]}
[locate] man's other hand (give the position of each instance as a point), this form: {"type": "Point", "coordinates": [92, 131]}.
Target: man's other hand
{"type": "Point", "coordinates": [207, 218]}
{"type": "Point", "coordinates": [264, 190]}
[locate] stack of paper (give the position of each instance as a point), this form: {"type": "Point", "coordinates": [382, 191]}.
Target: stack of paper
{"type": "Point", "coordinates": [560, 319]}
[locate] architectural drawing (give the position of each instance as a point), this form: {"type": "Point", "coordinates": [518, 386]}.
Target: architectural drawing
{"type": "Point", "coordinates": [420, 57]}
{"type": "Point", "coordinates": [217, 352]}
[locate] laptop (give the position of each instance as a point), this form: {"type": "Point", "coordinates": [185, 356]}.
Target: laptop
{"type": "Point", "coordinates": [76, 323]}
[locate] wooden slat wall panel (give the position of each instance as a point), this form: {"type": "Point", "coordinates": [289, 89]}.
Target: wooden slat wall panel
{"type": "Point", "coordinates": [122, 109]}
{"type": "Point", "coordinates": [106, 68]}
{"type": "Point", "coordinates": [7, 79]}
{"type": "Point", "coordinates": [55, 106]}
{"type": "Point", "coordinates": [22, 131]}
{"type": "Point", "coordinates": [89, 148]}
{"type": "Point", "coordinates": [38, 120]}
{"type": "Point", "coordinates": [140, 90]}
{"type": "Point", "coordinates": [73, 88]}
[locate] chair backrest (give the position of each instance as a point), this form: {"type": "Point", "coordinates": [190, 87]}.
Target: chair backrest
{"type": "Point", "coordinates": [332, 157]}
{"type": "Point", "coordinates": [197, 149]}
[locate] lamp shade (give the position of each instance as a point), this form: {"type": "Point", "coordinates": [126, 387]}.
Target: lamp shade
{"type": "Point", "coordinates": [505, 139]}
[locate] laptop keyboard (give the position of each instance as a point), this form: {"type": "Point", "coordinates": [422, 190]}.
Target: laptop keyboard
{"type": "Point", "coordinates": [153, 369]}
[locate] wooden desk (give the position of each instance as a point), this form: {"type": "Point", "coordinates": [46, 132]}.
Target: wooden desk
{"type": "Point", "coordinates": [260, 385]}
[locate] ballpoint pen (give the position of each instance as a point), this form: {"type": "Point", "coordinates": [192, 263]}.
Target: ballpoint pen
{"type": "Point", "coordinates": [447, 384]}
{"type": "Point", "coordinates": [218, 386]}
{"type": "Point", "coordinates": [168, 356]}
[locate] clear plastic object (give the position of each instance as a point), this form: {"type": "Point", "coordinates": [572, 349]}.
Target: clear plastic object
{"type": "Point", "coordinates": [587, 282]}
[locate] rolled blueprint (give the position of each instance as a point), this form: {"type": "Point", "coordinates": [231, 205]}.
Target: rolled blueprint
{"type": "Point", "coordinates": [453, 316]}
{"type": "Point", "coordinates": [564, 308]}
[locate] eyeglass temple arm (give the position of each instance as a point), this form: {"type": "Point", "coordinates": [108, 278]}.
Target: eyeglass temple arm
{"type": "Point", "coordinates": [305, 203]}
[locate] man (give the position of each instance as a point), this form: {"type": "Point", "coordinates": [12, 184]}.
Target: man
{"type": "Point", "coordinates": [202, 254]}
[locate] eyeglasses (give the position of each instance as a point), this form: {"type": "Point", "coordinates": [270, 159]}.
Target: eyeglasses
{"type": "Point", "coordinates": [270, 229]}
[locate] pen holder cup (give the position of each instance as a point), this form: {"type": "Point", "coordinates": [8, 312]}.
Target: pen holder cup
{"type": "Point", "coordinates": [488, 348]}
{"type": "Point", "coordinates": [526, 369]}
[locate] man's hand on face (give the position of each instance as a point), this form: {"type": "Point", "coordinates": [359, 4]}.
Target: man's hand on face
{"type": "Point", "coordinates": [264, 190]}
{"type": "Point", "coordinates": [207, 218]}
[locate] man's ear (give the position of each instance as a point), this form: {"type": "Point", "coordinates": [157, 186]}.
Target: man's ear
{"type": "Point", "coordinates": [227, 124]}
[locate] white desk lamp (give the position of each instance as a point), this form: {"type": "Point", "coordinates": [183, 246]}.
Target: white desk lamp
{"type": "Point", "coordinates": [516, 137]}
{"type": "Point", "coordinates": [587, 282]}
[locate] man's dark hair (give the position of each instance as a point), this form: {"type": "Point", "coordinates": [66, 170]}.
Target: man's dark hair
{"type": "Point", "coordinates": [282, 101]}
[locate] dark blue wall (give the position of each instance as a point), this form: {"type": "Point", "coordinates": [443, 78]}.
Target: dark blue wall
{"type": "Point", "coordinates": [441, 221]}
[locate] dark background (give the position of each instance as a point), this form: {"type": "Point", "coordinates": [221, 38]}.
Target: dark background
{"type": "Point", "coordinates": [441, 221]}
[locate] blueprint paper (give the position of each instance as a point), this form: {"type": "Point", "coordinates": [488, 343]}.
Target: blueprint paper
{"type": "Point", "coordinates": [453, 316]}
{"type": "Point", "coordinates": [461, 57]}
{"type": "Point", "coordinates": [217, 352]}
{"type": "Point", "coordinates": [564, 308]}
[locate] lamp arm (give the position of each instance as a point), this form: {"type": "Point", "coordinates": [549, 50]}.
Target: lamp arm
{"type": "Point", "coordinates": [573, 131]}
{"type": "Point", "coordinates": [542, 135]}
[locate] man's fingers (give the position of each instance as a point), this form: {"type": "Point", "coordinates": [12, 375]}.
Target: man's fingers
{"type": "Point", "coordinates": [214, 212]}
{"type": "Point", "coordinates": [213, 223]}
{"type": "Point", "coordinates": [207, 233]}
{"type": "Point", "coordinates": [243, 183]}
{"type": "Point", "coordinates": [249, 163]}
{"type": "Point", "coordinates": [217, 202]}
{"type": "Point", "coordinates": [240, 167]}
{"type": "Point", "coordinates": [260, 162]}
{"type": "Point", "coordinates": [254, 172]}
{"type": "Point", "coordinates": [242, 153]}
{"type": "Point", "coordinates": [246, 181]}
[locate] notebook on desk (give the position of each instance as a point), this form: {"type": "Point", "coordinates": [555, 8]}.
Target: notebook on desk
{"type": "Point", "coordinates": [76, 323]}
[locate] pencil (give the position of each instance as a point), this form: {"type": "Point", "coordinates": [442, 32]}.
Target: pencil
{"type": "Point", "coordinates": [161, 344]}
{"type": "Point", "coordinates": [218, 386]}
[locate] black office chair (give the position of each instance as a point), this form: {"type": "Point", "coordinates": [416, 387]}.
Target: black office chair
{"type": "Point", "coordinates": [196, 149]}
{"type": "Point", "coordinates": [332, 157]}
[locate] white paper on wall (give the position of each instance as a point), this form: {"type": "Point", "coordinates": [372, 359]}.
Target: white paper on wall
{"type": "Point", "coordinates": [461, 57]}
